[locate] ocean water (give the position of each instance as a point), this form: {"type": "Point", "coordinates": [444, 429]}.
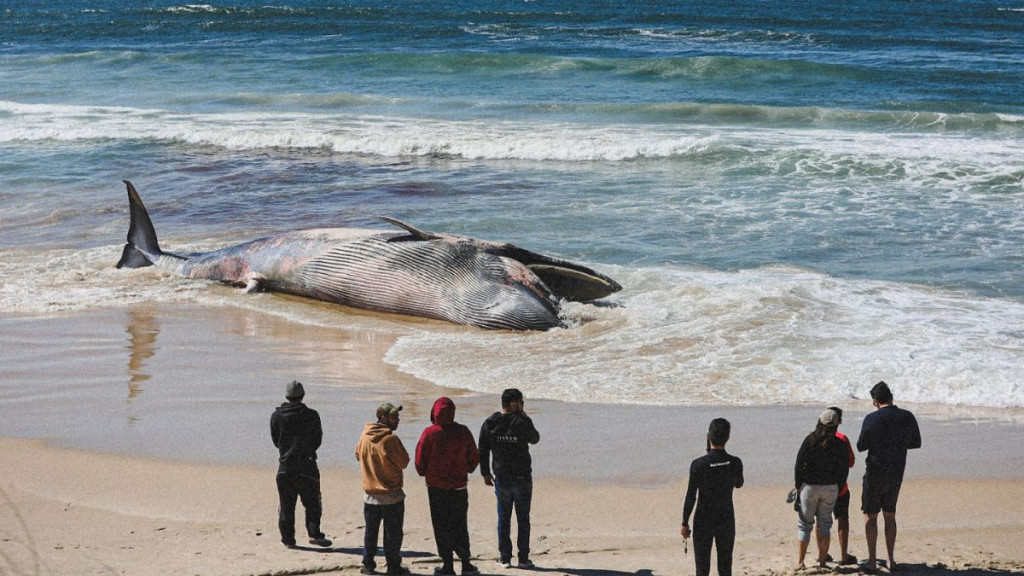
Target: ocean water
{"type": "Point", "coordinates": [799, 198]}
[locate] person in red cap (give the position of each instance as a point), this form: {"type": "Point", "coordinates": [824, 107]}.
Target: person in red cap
{"type": "Point", "coordinates": [445, 455]}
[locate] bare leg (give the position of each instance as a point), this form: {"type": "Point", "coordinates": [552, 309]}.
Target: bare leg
{"type": "Point", "coordinates": [871, 534]}
{"type": "Point", "coordinates": [801, 552]}
{"type": "Point", "coordinates": [823, 543]}
{"type": "Point", "coordinates": [890, 537]}
{"type": "Point", "coordinates": [843, 530]}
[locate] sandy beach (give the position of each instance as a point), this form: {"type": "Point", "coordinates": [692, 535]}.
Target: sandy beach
{"type": "Point", "coordinates": [136, 442]}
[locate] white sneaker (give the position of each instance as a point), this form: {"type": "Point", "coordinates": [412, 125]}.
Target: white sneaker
{"type": "Point", "coordinates": [503, 563]}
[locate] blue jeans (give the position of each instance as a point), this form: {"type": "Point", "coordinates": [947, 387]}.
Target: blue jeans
{"type": "Point", "coordinates": [514, 494]}
{"type": "Point", "coordinates": [393, 517]}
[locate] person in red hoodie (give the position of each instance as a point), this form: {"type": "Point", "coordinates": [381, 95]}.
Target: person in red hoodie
{"type": "Point", "coordinates": [446, 454]}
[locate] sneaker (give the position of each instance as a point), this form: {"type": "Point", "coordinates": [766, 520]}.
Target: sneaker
{"type": "Point", "coordinates": [468, 569]}
{"type": "Point", "coordinates": [288, 544]}
{"type": "Point", "coordinates": [398, 571]}
{"type": "Point", "coordinates": [444, 571]}
{"type": "Point", "coordinates": [367, 570]}
{"type": "Point", "coordinates": [321, 541]}
{"type": "Point", "coordinates": [504, 563]}
{"type": "Point", "coordinates": [526, 565]}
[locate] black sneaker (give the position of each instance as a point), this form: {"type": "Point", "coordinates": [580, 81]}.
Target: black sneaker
{"type": "Point", "coordinates": [398, 571]}
{"type": "Point", "coordinates": [368, 570]}
{"type": "Point", "coordinates": [526, 565]}
{"type": "Point", "coordinates": [468, 569]}
{"type": "Point", "coordinates": [444, 571]}
{"type": "Point", "coordinates": [321, 541]}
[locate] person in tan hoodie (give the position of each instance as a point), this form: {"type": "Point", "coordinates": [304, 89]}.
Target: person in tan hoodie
{"type": "Point", "coordinates": [382, 457]}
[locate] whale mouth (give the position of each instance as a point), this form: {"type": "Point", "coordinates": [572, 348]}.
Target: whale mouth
{"type": "Point", "coordinates": [575, 284]}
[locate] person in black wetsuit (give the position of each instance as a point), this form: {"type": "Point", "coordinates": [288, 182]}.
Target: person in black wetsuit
{"type": "Point", "coordinates": [712, 480]}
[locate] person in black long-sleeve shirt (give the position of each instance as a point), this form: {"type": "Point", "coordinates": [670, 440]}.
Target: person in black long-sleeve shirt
{"type": "Point", "coordinates": [822, 466]}
{"type": "Point", "coordinates": [886, 434]}
{"type": "Point", "coordinates": [296, 431]}
{"type": "Point", "coordinates": [712, 480]}
{"type": "Point", "coordinates": [505, 437]}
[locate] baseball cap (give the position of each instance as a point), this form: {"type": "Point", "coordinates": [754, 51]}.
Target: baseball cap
{"type": "Point", "coordinates": [829, 418]}
{"type": "Point", "coordinates": [387, 409]}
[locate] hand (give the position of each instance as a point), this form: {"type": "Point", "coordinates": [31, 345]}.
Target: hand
{"type": "Point", "coordinates": [489, 480]}
{"type": "Point", "coordinates": [684, 531]}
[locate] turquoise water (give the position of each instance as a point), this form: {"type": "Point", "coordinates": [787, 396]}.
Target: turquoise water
{"type": "Point", "coordinates": [800, 198]}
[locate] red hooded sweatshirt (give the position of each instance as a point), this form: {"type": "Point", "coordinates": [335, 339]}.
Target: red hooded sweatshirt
{"type": "Point", "coordinates": [446, 453]}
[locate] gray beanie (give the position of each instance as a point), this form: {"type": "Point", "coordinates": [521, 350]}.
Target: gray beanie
{"type": "Point", "coordinates": [294, 390]}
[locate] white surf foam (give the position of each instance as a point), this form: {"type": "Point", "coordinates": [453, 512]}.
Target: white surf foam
{"type": "Point", "coordinates": [755, 337]}
{"type": "Point", "coordinates": [677, 336]}
{"type": "Point", "coordinates": [935, 157]}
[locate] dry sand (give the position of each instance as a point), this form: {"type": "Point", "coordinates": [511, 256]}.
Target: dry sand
{"type": "Point", "coordinates": [142, 450]}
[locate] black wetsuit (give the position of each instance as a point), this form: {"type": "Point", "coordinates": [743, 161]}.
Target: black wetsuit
{"type": "Point", "coordinates": [713, 478]}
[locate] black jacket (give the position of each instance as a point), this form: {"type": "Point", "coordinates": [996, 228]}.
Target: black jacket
{"type": "Point", "coordinates": [295, 429]}
{"type": "Point", "coordinates": [506, 438]}
{"type": "Point", "coordinates": [822, 466]}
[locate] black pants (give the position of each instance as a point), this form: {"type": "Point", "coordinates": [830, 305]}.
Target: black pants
{"type": "Point", "coordinates": [393, 517]}
{"type": "Point", "coordinates": [448, 511]}
{"type": "Point", "coordinates": [306, 486]}
{"type": "Point", "coordinates": [723, 536]}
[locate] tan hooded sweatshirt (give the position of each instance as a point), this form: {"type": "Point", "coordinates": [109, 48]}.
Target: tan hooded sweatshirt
{"type": "Point", "coordinates": [382, 457]}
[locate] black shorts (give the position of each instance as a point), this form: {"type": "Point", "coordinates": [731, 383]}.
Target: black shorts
{"type": "Point", "coordinates": [881, 491]}
{"type": "Point", "coordinates": [842, 509]}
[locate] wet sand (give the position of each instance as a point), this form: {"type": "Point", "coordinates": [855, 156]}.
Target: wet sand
{"type": "Point", "coordinates": [156, 459]}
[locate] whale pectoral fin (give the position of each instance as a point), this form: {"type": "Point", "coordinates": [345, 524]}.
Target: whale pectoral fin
{"type": "Point", "coordinates": [579, 285]}
{"type": "Point", "coordinates": [253, 284]}
{"type": "Point", "coordinates": [420, 234]}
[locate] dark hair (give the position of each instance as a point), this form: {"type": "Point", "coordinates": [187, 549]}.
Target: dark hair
{"type": "Point", "coordinates": [718, 431]}
{"type": "Point", "coordinates": [509, 396]}
{"type": "Point", "coordinates": [822, 434]}
{"type": "Point", "coordinates": [838, 411]}
{"type": "Point", "coordinates": [880, 393]}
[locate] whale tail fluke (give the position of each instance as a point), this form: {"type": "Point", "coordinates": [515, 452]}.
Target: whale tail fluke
{"type": "Point", "coordinates": [142, 248]}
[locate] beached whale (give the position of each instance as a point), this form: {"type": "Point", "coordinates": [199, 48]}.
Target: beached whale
{"type": "Point", "coordinates": [434, 275]}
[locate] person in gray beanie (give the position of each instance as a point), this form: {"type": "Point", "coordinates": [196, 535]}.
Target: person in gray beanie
{"type": "Point", "coordinates": [296, 432]}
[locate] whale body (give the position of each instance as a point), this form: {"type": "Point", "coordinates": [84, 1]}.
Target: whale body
{"type": "Point", "coordinates": [434, 275]}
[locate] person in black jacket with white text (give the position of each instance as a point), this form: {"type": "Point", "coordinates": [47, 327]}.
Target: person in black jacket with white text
{"type": "Point", "coordinates": [505, 438]}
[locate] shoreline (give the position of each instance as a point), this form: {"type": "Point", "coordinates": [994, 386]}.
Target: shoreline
{"type": "Point", "coordinates": [193, 384]}
{"type": "Point", "coordinates": [135, 442]}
